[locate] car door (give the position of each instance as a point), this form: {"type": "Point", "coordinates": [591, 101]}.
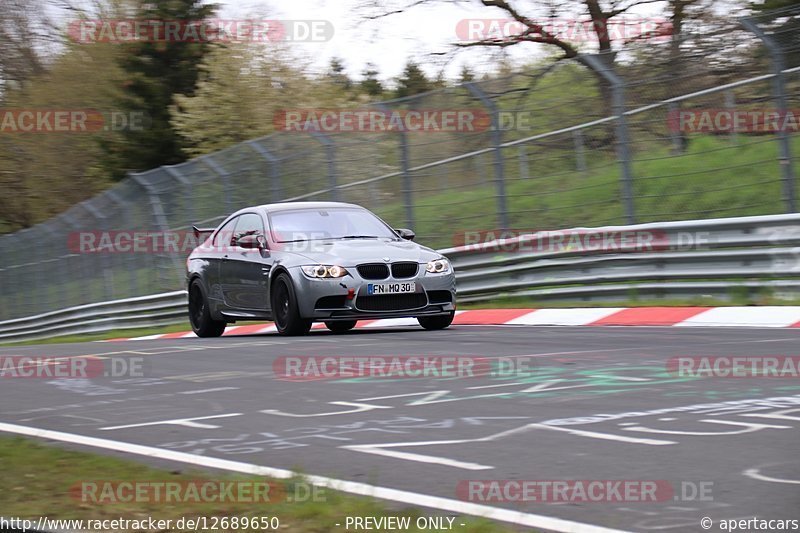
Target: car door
{"type": "Point", "coordinates": [245, 271]}
{"type": "Point", "coordinates": [220, 247]}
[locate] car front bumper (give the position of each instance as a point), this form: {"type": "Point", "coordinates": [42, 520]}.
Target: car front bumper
{"type": "Point", "coordinates": [327, 299]}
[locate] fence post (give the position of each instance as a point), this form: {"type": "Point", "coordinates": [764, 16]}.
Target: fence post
{"type": "Point", "coordinates": [598, 64]}
{"type": "Point", "coordinates": [75, 260]}
{"type": "Point", "coordinates": [131, 259]}
{"type": "Point", "coordinates": [105, 258]}
{"type": "Point", "coordinates": [730, 106]}
{"type": "Point", "coordinates": [499, 164]}
{"type": "Point", "coordinates": [408, 191]}
{"type": "Point", "coordinates": [274, 170]}
{"type": "Point", "coordinates": [209, 161]}
{"type": "Point", "coordinates": [159, 218]}
{"type": "Point", "coordinates": [173, 172]}
{"type": "Point", "coordinates": [779, 89]}
{"type": "Point", "coordinates": [330, 153]}
{"type": "Point", "coordinates": [580, 157]}
{"type": "Point", "coordinates": [5, 279]}
{"type": "Point", "coordinates": [523, 162]}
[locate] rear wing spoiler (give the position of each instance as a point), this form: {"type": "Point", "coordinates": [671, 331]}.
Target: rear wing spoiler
{"type": "Point", "coordinates": [202, 231]}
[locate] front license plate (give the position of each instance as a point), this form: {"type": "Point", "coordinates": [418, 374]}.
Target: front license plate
{"type": "Point", "coordinates": [391, 288]}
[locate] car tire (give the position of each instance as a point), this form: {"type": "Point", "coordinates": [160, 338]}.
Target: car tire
{"type": "Point", "coordinates": [436, 322]}
{"type": "Point", "coordinates": [203, 324]}
{"type": "Point", "coordinates": [340, 326]}
{"type": "Point", "coordinates": [285, 309]}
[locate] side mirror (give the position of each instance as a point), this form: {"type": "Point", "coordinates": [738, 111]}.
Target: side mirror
{"type": "Point", "coordinates": [407, 234]}
{"type": "Point", "coordinates": [252, 242]}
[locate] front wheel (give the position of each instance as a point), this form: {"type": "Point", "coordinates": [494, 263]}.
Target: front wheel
{"type": "Point", "coordinates": [436, 322]}
{"type": "Point", "coordinates": [340, 326]}
{"type": "Point", "coordinates": [285, 309]}
{"type": "Point", "coordinates": [200, 315]}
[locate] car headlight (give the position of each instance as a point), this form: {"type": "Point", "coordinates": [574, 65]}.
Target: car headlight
{"type": "Point", "coordinates": [324, 271]}
{"type": "Point", "coordinates": [438, 266]}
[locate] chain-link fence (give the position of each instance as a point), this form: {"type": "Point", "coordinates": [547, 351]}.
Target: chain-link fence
{"type": "Point", "coordinates": [593, 141]}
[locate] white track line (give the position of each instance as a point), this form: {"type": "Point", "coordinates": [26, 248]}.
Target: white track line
{"type": "Point", "coordinates": [361, 489]}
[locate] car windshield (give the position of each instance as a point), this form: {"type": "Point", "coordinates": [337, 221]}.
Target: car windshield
{"type": "Point", "coordinates": [320, 224]}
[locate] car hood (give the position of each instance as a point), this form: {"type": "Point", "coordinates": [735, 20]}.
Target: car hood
{"type": "Point", "coordinates": [352, 252]}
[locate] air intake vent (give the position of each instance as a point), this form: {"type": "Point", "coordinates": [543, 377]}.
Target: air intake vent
{"type": "Point", "coordinates": [391, 302]}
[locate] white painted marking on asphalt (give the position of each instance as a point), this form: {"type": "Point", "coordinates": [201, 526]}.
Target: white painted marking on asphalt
{"type": "Point", "coordinates": [754, 473]}
{"type": "Point", "coordinates": [623, 378]}
{"type": "Point", "coordinates": [359, 408]}
{"type": "Point", "coordinates": [778, 415]}
{"type": "Point", "coordinates": [749, 428]}
{"type": "Point", "coordinates": [361, 489]}
{"type": "Point", "coordinates": [494, 386]}
{"type": "Point", "coordinates": [208, 390]}
{"type": "Point", "coordinates": [377, 449]}
{"type": "Point", "coordinates": [605, 436]}
{"type": "Point", "coordinates": [187, 422]}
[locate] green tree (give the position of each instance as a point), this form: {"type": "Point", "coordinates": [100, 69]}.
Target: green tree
{"type": "Point", "coordinates": [46, 173]}
{"type": "Point", "coordinates": [412, 81]}
{"type": "Point", "coordinates": [243, 92]}
{"type": "Point", "coordinates": [466, 75]}
{"type": "Point", "coordinates": [337, 74]}
{"type": "Point", "coordinates": [782, 18]}
{"type": "Point", "coordinates": [370, 84]}
{"type": "Point", "coordinates": [156, 72]}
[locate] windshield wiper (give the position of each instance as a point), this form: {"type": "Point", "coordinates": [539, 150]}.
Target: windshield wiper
{"type": "Point", "coordinates": [359, 237]}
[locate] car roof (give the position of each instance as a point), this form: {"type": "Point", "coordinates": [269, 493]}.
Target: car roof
{"type": "Point", "coordinates": [287, 206]}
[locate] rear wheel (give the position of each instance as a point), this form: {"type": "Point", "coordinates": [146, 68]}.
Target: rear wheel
{"type": "Point", "coordinates": [436, 322]}
{"type": "Point", "coordinates": [200, 315]}
{"type": "Point", "coordinates": [340, 326]}
{"type": "Point", "coordinates": [285, 310]}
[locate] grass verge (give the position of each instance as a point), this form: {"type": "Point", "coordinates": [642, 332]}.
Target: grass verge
{"type": "Point", "coordinates": [44, 480]}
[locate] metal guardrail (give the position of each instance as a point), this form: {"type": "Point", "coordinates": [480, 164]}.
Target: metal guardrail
{"type": "Point", "coordinates": [686, 259]}
{"type": "Point", "coordinates": [144, 311]}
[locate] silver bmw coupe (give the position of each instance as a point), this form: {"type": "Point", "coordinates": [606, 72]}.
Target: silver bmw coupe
{"type": "Point", "coordinates": [302, 262]}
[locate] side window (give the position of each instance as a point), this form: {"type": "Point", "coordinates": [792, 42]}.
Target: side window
{"type": "Point", "coordinates": [225, 234]}
{"type": "Point", "coordinates": [249, 224]}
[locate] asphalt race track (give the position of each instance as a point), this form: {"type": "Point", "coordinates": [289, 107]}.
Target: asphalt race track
{"type": "Point", "coordinates": [219, 399]}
